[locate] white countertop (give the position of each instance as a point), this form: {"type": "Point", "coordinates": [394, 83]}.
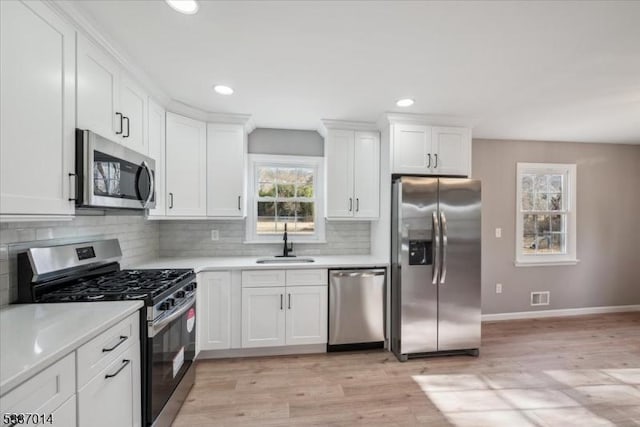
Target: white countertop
{"type": "Point", "coordinates": [244, 263]}
{"type": "Point", "coordinates": [34, 336]}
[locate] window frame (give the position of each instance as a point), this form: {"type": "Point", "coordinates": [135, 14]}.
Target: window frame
{"type": "Point", "coordinates": [569, 192]}
{"type": "Point", "coordinates": [272, 160]}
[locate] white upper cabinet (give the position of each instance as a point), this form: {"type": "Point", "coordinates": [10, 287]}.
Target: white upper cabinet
{"type": "Point", "coordinates": [186, 166]}
{"type": "Point", "coordinates": [98, 90]}
{"type": "Point", "coordinates": [339, 163]}
{"type": "Point", "coordinates": [353, 174]}
{"type": "Point", "coordinates": [226, 167]}
{"type": "Point", "coordinates": [431, 150]}
{"type": "Point", "coordinates": [109, 102]}
{"type": "Point", "coordinates": [37, 110]}
{"type": "Point", "coordinates": [133, 104]}
{"type": "Point", "coordinates": [156, 142]}
{"type": "Point", "coordinates": [452, 146]}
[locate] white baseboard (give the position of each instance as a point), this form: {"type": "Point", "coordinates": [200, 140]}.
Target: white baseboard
{"type": "Point", "coordinates": [559, 313]}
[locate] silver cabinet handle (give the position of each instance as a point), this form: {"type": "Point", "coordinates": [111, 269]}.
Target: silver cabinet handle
{"type": "Point", "coordinates": [436, 249]}
{"type": "Point", "coordinates": [125, 362]}
{"type": "Point", "coordinates": [170, 200]}
{"type": "Point", "coordinates": [289, 304]}
{"type": "Point", "coordinates": [429, 164]}
{"type": "Point", "coordinates": [436, 165]}
{"type": "Point", "coordinates": [152, 184]}
{"type": "Point", "coordinates": [350, 204]}
{"type": "Point", "coordinates": [443, 220]}
{"type": "Point", "coordinates": [239, 199]}
{"type": "Point", "coordinates": [123, 338]}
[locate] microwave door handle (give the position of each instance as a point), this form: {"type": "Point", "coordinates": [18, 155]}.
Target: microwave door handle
{"type": "Point", "coordinates": [436, 249]}
{"type": "Point", "coordinates": [152, 184]}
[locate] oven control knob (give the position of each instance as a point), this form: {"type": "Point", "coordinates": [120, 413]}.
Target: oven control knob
{"type": "Point", "coordinates": [180, 294]}
{"type": "Point", "coordinates": [165, 305]}
{"type": "Point", "coordinates": [190, 287]}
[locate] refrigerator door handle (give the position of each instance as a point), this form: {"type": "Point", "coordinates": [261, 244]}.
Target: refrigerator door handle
{"type": "Point", "coordinates": [436, 256]}
{"type": "Point", "coordinates": [443, 221]}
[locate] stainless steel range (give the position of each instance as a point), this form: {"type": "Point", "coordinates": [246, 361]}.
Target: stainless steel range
{"type": "Point", "coordinates": [91, 272]}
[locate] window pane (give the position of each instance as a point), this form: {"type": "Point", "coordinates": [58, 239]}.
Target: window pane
{"type": "Point", "coordinates": [543, 224]}
{"type": "Point", "coordinates": [266, 209]}
{"type": "Point", "coordinates": [540, 202]}
{"type": "Point", "coordinates": [557, 223]}
{"type": "Point", "coordinates": [266, 174]}
{"type": "Point", "coordinates": [558, 243]}
{"type": "Point", "coordinates": [304, 183]}
{"type": "Point", "coordinates": [305, 219]}
{"type": "Point", "coordinates": [541, 183]}
{"type": "Point", "coordinates": [280, 226]}
{"type": "Point", "coordinates": [555, 201]}
{"type": "Point", "coordinates": [286, 190]}
{"type": "Point", "coordinates": [529, 225]}
{"type": "Point", "coordinates": [266, 225]}
{"type": "Point", "coordinates": [267, 189]}
{"type": "Point", "coordinates": [555, 183]}
{"type": "Point", "coordinates": [527, 183]}
{"type": "Point", "coordinates": [527, 201]}
{"type": "Point", "coordinates": [286, 175]}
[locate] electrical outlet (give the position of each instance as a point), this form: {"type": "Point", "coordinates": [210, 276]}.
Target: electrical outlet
{"type": "Point", "coordinates": [498, 233]}
{"type": "Point", "coordinates": [215, 235]}
{"type": "Point", "coordinates": [498, 288]}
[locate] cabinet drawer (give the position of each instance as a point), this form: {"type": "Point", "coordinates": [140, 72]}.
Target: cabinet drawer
{"type": "Point", "coordinates": [101, 351]}
{"type": "Point", "coordinates": [44, 392]}
{"type": "Point", "coordinates": [308, 277]}
{"type": "Point", "coordinates": [260, 278]}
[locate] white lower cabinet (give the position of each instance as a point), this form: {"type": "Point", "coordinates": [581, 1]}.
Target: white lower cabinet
{"type": "Point", "coordinates": [294, 314]}
{"type": "Point", "coordinates": [263, 317]}
{"type": "Point", "coordinates": [112, 398]}
{"type": "Point", "coordinates": [306, 315]}
{"type": "Point", "coordinates": [214, 296]}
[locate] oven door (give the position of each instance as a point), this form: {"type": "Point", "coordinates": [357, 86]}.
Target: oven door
{"type": "Point", "coordinates": [171, 351]}
{"type": "Point", "coordinates": [113, 176]}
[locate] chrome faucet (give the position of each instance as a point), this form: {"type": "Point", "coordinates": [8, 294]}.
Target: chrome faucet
{"type": "Point", "coordinates": [287, 248]}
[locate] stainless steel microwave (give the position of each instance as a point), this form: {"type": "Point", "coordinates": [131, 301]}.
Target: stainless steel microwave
{"type": "Point", "coordinates": [110, 175]}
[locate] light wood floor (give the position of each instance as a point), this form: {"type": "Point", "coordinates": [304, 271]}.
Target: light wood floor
{"type": "Point", "coordinates": [582, 371]}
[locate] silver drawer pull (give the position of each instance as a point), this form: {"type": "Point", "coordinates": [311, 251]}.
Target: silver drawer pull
{"type": "Point", "coordinates": [123, 338]}
{"type": "Point", "coordinates": [125, 362]}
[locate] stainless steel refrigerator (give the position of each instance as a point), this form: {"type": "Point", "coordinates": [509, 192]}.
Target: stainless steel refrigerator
{"type": "Point", "coordinates": [435, 266]}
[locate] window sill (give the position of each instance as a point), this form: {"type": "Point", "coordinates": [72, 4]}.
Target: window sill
{"type": "Point", "coordinates": [279, 242]}
{"type": "Point", "coordinates": [546, 263]}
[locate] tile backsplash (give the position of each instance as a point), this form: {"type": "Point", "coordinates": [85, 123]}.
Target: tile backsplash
{"type": "Point", "coordinates": [139, 240]}
{"type": "Point", "coordinates": [193, 238]}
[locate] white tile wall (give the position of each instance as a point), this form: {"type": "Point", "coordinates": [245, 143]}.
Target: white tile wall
{"type": "Point", "coordinates": [193, 238]}
{"type": "Point", "coordinates": [139, 240]}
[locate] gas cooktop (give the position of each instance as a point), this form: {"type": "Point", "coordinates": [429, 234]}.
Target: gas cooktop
{"type": "Point", "coordinates": [118, 285]}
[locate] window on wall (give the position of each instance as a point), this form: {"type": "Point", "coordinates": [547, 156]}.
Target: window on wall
{"type": "Point", "coordinates": [546, 214]}
{"type": "Point", "coordinates": [285, 190]}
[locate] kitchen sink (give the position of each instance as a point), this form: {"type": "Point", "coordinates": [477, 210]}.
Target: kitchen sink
{"type": "Point", "coordinates": [285, 260]}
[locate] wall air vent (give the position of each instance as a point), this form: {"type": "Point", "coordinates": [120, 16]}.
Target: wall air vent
{"type": "Point", "coordinates": [540, 298]}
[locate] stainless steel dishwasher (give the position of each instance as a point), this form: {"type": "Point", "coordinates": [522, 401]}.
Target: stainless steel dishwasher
{"type": "Point", "coordinates": [356, 308]}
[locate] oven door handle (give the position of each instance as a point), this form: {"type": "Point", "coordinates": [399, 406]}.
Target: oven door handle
{"type": "Point", "coordinates": [157, 327]}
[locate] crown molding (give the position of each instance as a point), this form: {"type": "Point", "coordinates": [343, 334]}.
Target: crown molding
{"type": "Point", "coordinates": [390, 118]}
{"type": "Point", "coordinates": [183, 109]}
{"type": "Point", "coordinates": [327, 124]}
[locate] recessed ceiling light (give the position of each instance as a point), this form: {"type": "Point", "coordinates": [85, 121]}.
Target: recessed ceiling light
{"type": "Point", "coordinates": [223, 90]}
{"type": "Point", "coordinates": [404, 102]}
{"type": "Point", "coordinates": [188, 7]}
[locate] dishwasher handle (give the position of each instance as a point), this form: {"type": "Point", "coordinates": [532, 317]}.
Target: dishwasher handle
{"type": "Point", "coordinates": [357, 273]}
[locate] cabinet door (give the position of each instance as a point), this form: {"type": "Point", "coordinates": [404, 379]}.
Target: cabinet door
{"type": "Point", "coordinates": [263, 317]}
{"type": "Point", "coordinates": [306, 315]}
{"type": "Point", "coordinates": [112, 398]}
{"type": "Point", "coordinates": [453, 148]}
{"type": "Point", "coordinates": [37, 110]}
{"type": "Point", "coordinates": [366, 175]}
{"type": "Point", "coordinates": [98, 90]}
{"type": "Point", "coordinates": [412, 149]}
{"type": "Point", "coordinates": [65, 415]}
{"type": "Point", "coordinates": [226, 163]}
{"type": "Point", "coordinates": [186, 166]}
{"type": "Point", "coordinates": [339, 154]}
{"type": "Point", "coordinates": [133, 103]}
{"type": "Point", "coordinates": [156, 134]}
{"type": "Point", "coordinates": [215, 318]}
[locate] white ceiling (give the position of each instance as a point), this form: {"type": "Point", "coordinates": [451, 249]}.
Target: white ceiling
{"type": "Point", "coordinates": [521, 70]}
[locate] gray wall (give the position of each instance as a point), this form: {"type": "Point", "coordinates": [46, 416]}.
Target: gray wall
{"type": "Point", "coordinates": [286, 142]}
{"type": "Point", "coordinates": [608, 234]}
{"type": "Point", "coordinates": [193, 238]}
{"type": "Point", "coordinates": [139, 240]}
